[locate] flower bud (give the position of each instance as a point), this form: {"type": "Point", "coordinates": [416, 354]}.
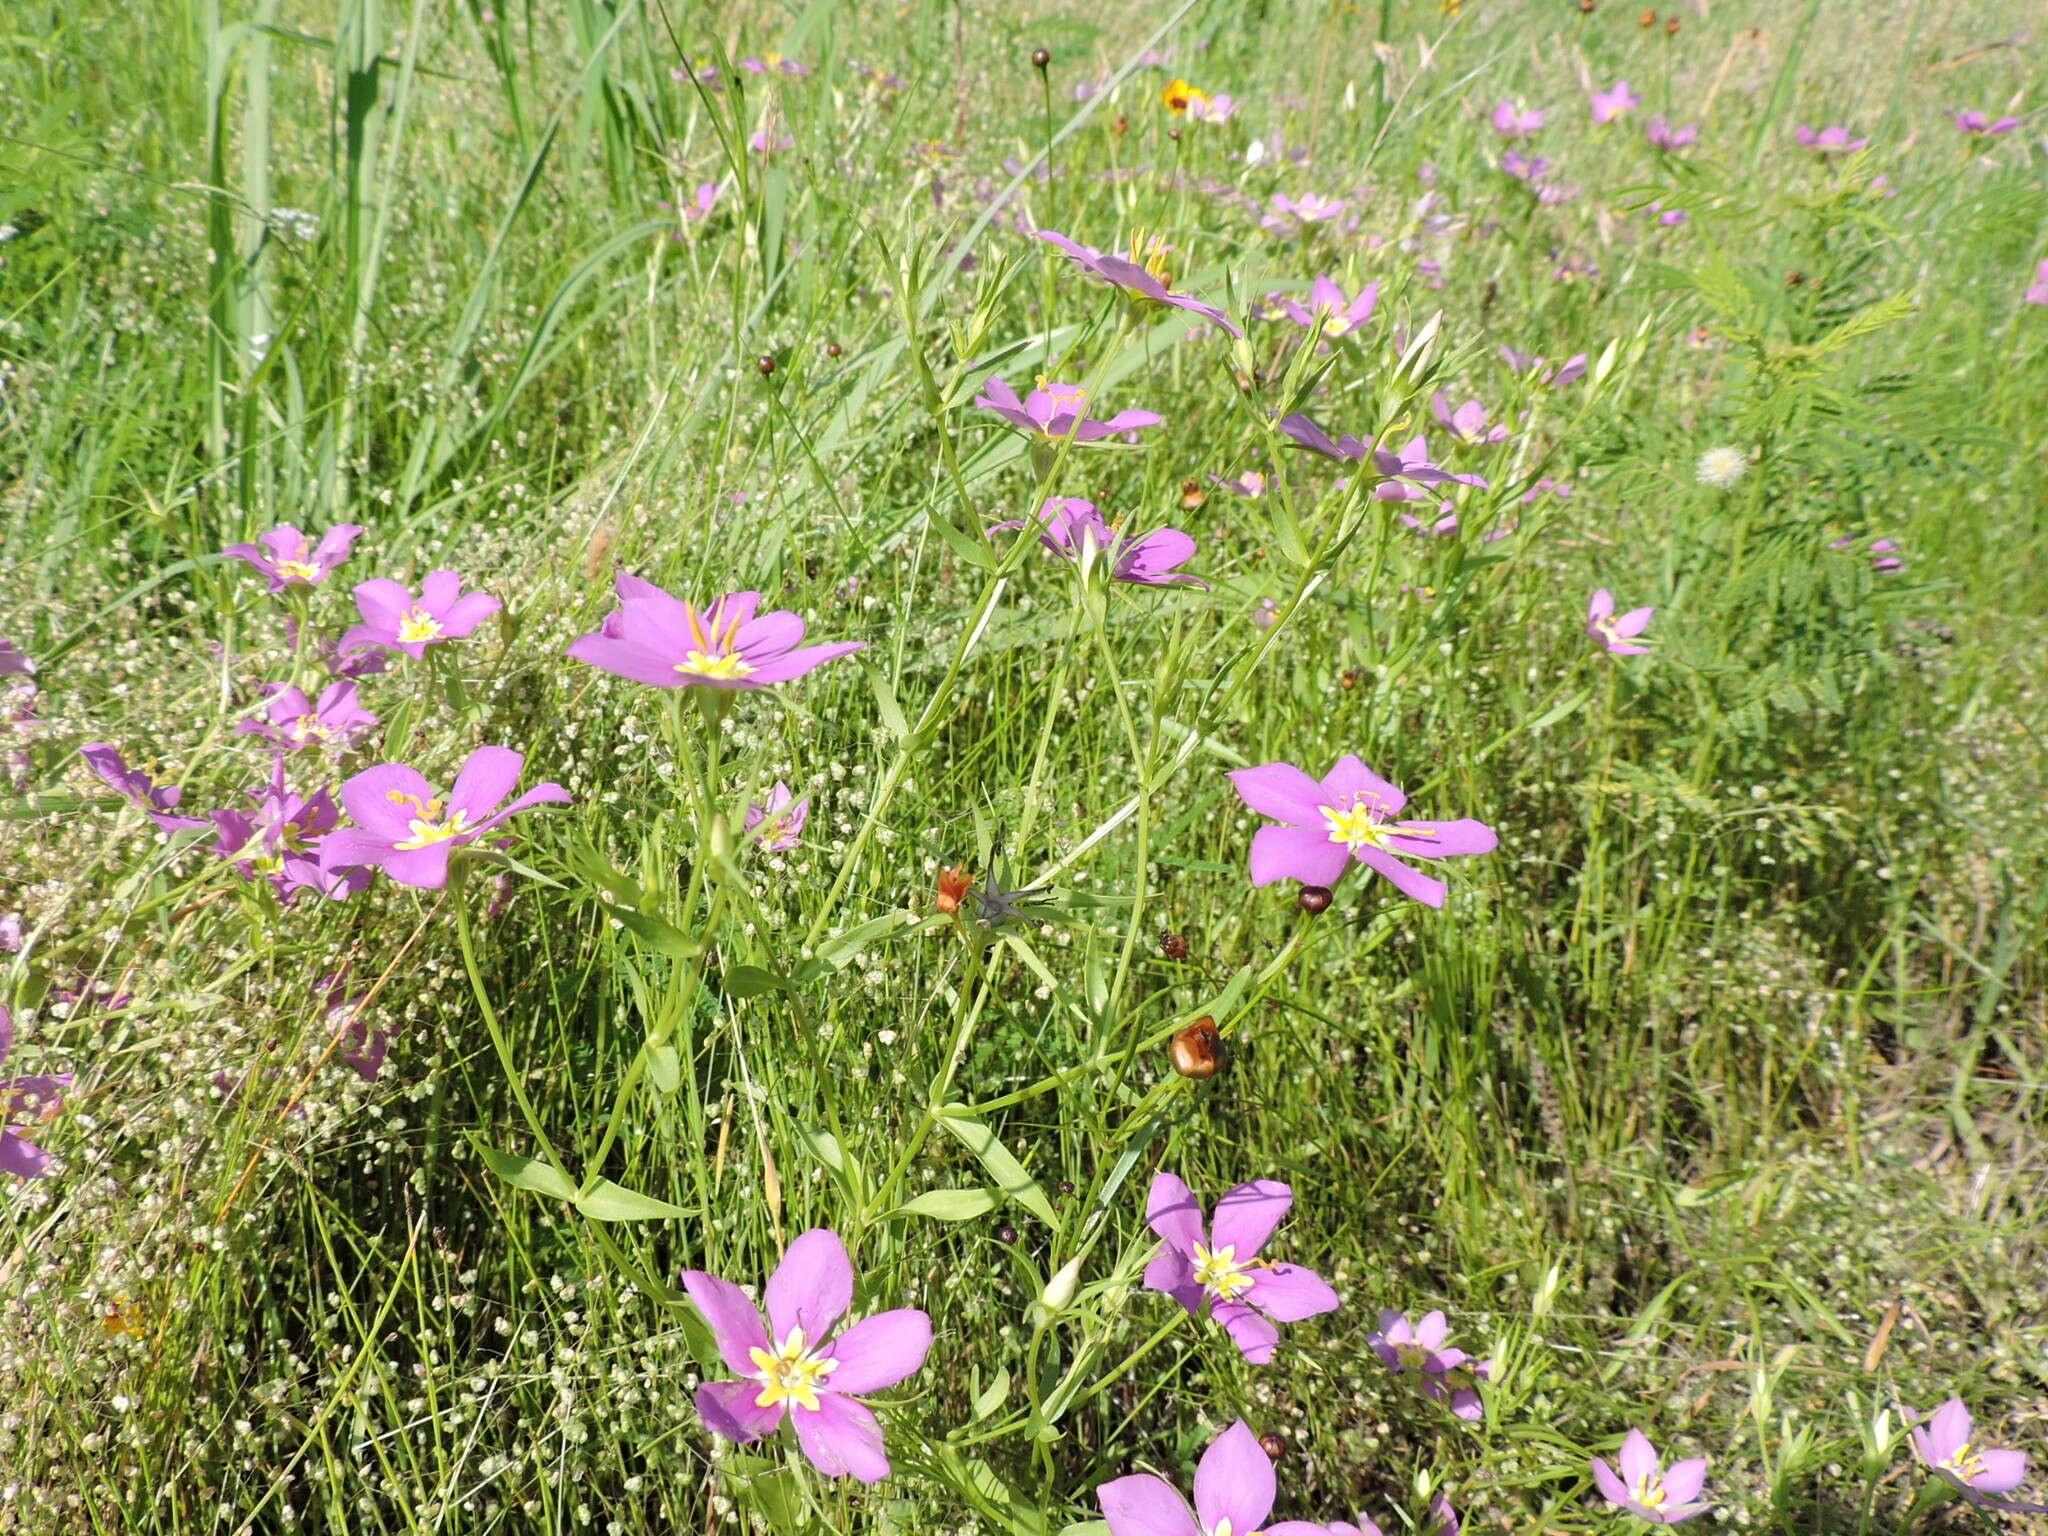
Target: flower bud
{"type": "Point", "coordinates": [1059, 1290]}
{"type": "Point", "coordinates": [1197, 1051]}
{"type": "Point", "coordinates": [765, 364]}
{"type": "Point", "coordinates": [1314, 899]}
{"type": "Point", "coordinates": [1272, 1445]}
{"type": "Point", "coordinates": [1041, 58]}
{"type": "Point", "coordinates": [1192, 496]}
{"type": "Point", "coordinates": [954, 884]}
{"type": "Point", "coordinates": [1173, 945]}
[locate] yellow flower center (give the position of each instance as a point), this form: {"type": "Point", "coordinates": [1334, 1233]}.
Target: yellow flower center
{"type": "Point", "coordinates": [428, 825]}
{"type": "Point", "coordinates": [791, 1373]}
{"type": "Point", "coordinates": [1412, 1356]}
{"type": "Point", "coordinates": [1151, 255]}
{"type": "Point", "coordinates": [1223, 1527]}
{"type": "Point", "coordinates": [308, 728]}
{"type": "Point", "coordinates": [1966, 1463]}
{"type": "Point", "coordinates": [1648, 1491]}
{"type": "Point", "coordinates": [416, 626]}
{"type": "Point", "coordinates": [1220, 1274]}
{"type": "Point", "coordinates": [297, 570]}
{"type": "Point", "coordinates": [1362, 825]}
{"type": "Point", "coordinates": [714, 655]}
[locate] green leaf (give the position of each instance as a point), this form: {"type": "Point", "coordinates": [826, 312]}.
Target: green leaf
{"type": "Point", "coordinates": [664, 938]}
{"type": "Point", "coordinates": [987, 1400]}
{"type": "Point", "coordinates": [607, 1201]}
{"type": "Point", "coordinates": [526, 1172]}
{"type": "Point", "coordinates": [750, 981]}
{"type": "Point", "coordinates": [664, 1067]}
{"type": "Point", "coordinates": [949, 1205]}
{"type": "Point", "coordinates": [1009, 1174]}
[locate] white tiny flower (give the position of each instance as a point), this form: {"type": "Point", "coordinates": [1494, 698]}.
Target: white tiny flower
{"type": "Point", "coordinates": [1721, 467]}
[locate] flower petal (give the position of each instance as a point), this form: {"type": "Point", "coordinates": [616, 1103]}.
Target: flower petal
{"type": "Point", "coordinates": [384, 800]}
{"type": "Point", "coordinates": [1442, 839]}
{"type": "Point", "coordinates": [728, 1408]}
{"type": "Point", "coordinates": [1234, 1481]}
{"type": "Point", "coordinates": [735, 1320]}
{"type": "Point", "coordinates": [1350, 781]}
{"type": "Point", "coordinates": [1638, 1458]}
{"type": "Point", "coordinates": [1172, 1211]}
{"type": "Point", "coordinates": [1145, 1505]}
{"type": "Point", "coordinates": [1281, 791]}
{"type": "Point", "coordinates": [1611, 1487]}
{"type": "Point", "coordinates": [812, 1287]}
{"type": "Point", "coordinates": [2003, 1471]}
{"type": "Point", "coordinates": [1683, 1480]}
{"type": "Point", "coordinates": [1409, 881]}
{"type": "Point", "coordinates": [1287, 1293]}
{"type": "Point", "coordinates": [486, 779]}
{"type": "Point", "coordinates": [1296, 853]}
{"type": "Point", "coordinates": [841, 1437]}
{"type": "Point", "coordinates": [1247, 1216]}
{"type": "Point", "coordinates": [1254, 1335]}
{"type": "Point", "coordinates": [881, 1351]}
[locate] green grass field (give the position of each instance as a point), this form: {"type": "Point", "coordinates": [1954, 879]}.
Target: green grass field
{"type": "Point", "coordinates": [1709, 1102]}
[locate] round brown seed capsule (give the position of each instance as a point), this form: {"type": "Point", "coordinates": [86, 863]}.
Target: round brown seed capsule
{"type": "Point", "coordinates": [1314, 898]}
{"type": "Point", "coordinates": [1173, 945]}
{"type": "Point", "coordinates": [1197, 1051]}
{"type": "Point", "coordinates": [1192, 495]}
{"type": "Point", "coordinates": [1040, 58]}
{"type": "Point", "coordinates": [1272, 1445]}
{"type": "Point", "coordinates": [765, 364]}
{"type": "Point", "coordinates": [833, 349]}
{"type": "Point", "coordinates": [1006, 1235]}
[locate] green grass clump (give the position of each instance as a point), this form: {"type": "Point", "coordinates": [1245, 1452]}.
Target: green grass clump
{"type": "Point", "coordinates": [1711, 1102]}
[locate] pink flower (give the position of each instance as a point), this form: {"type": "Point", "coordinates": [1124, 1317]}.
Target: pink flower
{"type": "Point", "coordinates": [1511, 121]}
{"type": "Point", "coordinates": [29, 1099]}
{"type": "Point", "coordinates": [1340, 316]}
{"type": "Point", "coordinates": [1234, 1491]}
{"type": "Point", "coordinates": [1218, 1263]}
{"type": "Point", "coordinates": [1616, 633]}
{"type": "Point", "coordinates": [801, 1371]}
{"type": "Point", "coordinates": [292, 721]}
{"type": "Point", "coordinates": [285, 558]}
{"type": "Point", "coordinates": [1348, 815]}
{"type": "Point", "coordinates": [1444, 1374]}
{"type": "Point", "coordinates": [405, 829]}
{"type": "Point", "coordinates": [1074, 530]}
{"type": "Point", "coordinates": [1220, 108]}
{"type": "Point", "coordinates": [1054, 411]}
{"type": "Point", "coordinates": [1539, 368]}
{"type": "Point", "coordinates": [1978, 125]}
{"type": "Point", "coordinates": [2038, 294]}
{"type": "Point", "coordinates": [1611, 103]}
{"type": "Point", "coordinates": [1646, 1489]}
{"type": "Point", "coordinates": [395, 620]}
{"type": "Point", "coordinates": [665, 642]}
{"type": "Point", "coordinates": [1290, 215]}
{"type": "Point", "coordinates": [1662, 135]}
{"type": "Point", "coordinates": [1832, 140]}
{"type": "Point", "coordinates": [779, 824]}
{"type": "Point", "coordinates": [158, 802]}
{"type": "Point", "coordinates": [1947, 1443]}
{"type": "Point", "coordinates": [1467, 423]}
{"type": "Point", "coordinates": [1145, 283]}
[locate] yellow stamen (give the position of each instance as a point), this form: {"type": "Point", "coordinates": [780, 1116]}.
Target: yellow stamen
{"type": "Point", "coordinates": [429, 829]}
{"type": "Point", "coordinates": [1648, 1491]}
{"type": "Point", "coordinates": [1220, 1274]}
{"type": "Point", "coordinates": [1966, 1463]}
{"type": "Point", "coordinates": [308, 728]}
{"type": "Point", "coordinates": [791, 1373]}
{"type": "Point", "coordinates": [297, 570]}
{"type": "Point", "coordinates": [1362, 825]}
{"type": "Point", "coordinates": [714, 654]}
{"type": "Point", "coordinates": [416, 626]}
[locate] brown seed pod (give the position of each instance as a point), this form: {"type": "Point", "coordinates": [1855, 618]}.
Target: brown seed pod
{"type": "Point", "coordinates": [1272, 1445]}
{"type": "Point", "coordinates": [1173, 945]}
{"type": "Point", "coordinates": [1122, 126]}
{"type": "Point", "coordinates": [1006, 1234]}
{"type": "Point", "coordinates": [765, 364]}
{"type": "Point", "coordinates": [1040, 58]}
{"type": "Point", "coordinates": [1192, 495]}
{"type": "Point", "coordinates": [1349, 679]}
{"type": "Point", "coordinates": [1197, 1051]}
{"type": "Point", "coordinates": [833, 349]}
{"type": "Point", "coordinates": [1314, 899]}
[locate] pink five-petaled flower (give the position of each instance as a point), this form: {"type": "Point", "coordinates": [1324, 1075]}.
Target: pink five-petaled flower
{"type": "Point", "coordinates": [1831, 140]}
{"type": "Point", "coordinates": [158, 802]}
{"type": "Point", "coordinates": [395, 620]}
{"type": "Point", "coordinates": [1467, 423]}
{"type": "Point", "coordinates": [1219, 1262]}
{"type": "Point", "coordinates": [285, 841]}
{"type": "Point", "coordinates": [1646, 1487]}
{"type": "Point", "coordinates": [1614, 632]}
{"type": "Point", "coordinates": [2038, 293]}
{"type": "Point", "coordinates": [1348, 815]}
{"type": "Point", "coordinates": [1445, 1375]}
{"type": "Point", "coordinates": [660, 640]}
{"type": "Point", "coordinates": [1611, 103]}
{"type": "Point", "coordinates": [1234, 1489]}
{"type": "Point", "coordinates": [1054, 411]}
{"type": "Point", "coordinates": [1220, 108]}
{"type": "Point", "coordinates": [1979, 124]}
{"type": "Point", "coordinates": [403, 828]}
{"type": "Point", "coordinates": [1514, 122]}
{"type": "Point", "coordinates": [283, 555]}
{"type": "Point", "coordinates": [801, 1370]}
{"type": "Point", "coordinates": [1340, 316]}
{"type": "Point", "coordinates": [778, 825]}
{"type": "Point", "coordinates": [1540, 369]}
{"type": "Point", "coordinates": [1304, 214]}
{"type": "Point", "coordinates": [25, 1098]}
{"type": "Point", "coordinates": [1945, 1442]}
{"type": "Point", "coordinates": [293, 721]}
{"type": "Point", "coordinates": [1145, 281]}
{"type": "Point", "coordinates": [1073, 529]}
{"type": "Point", "coordinates": [1665, 135]}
